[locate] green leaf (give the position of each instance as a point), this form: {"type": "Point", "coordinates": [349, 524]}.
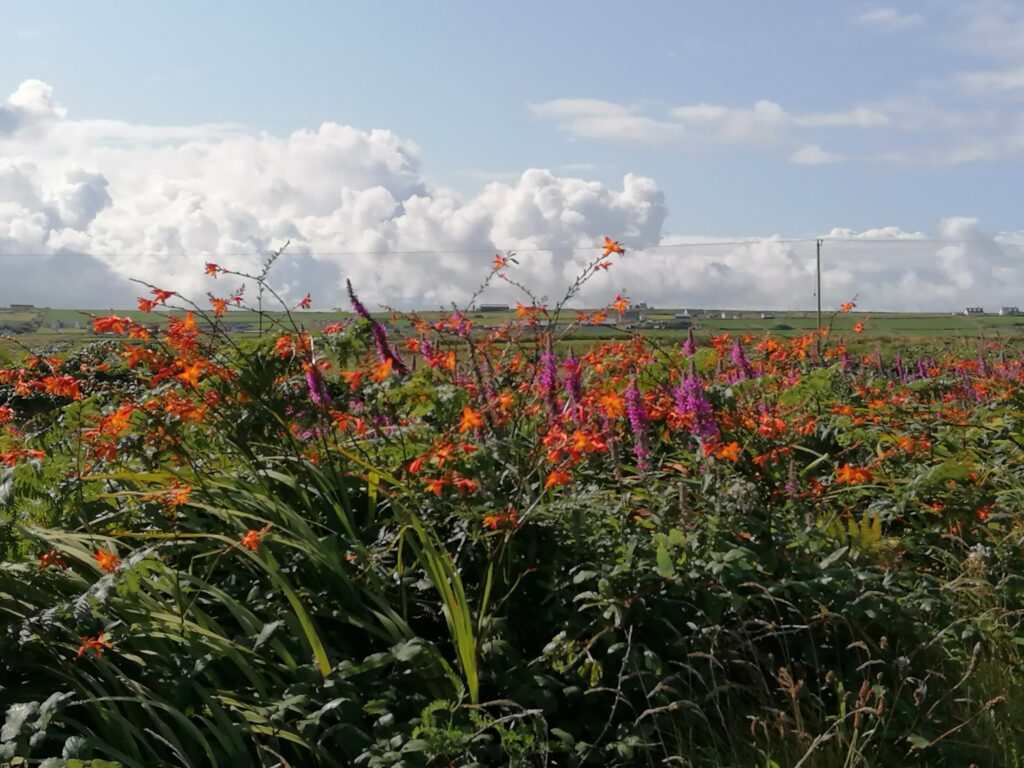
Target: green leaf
{"type": "Point", "coordinates": [663, 562]}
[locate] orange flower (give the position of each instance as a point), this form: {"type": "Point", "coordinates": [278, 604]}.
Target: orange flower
{"type": "Point", "coordinates": [858, 326]}
{"type": "Point", "coordinates": [611, 246]}
{"type": "Point", "coordinates": [383, 370]}
{"type": "Point", "coordinates": [307, 302]}
{"type": "Point", "coordinates": [470, 420]}
{"type": "Point", "coordinates": [730, 452]}
{"type": "Point", "coordinates": [190, 375]}
{"type": "Point", "coordinates": [465, 485]}
{"type": "Point", "coordinates": [557, 477]}
{"type": "Point", "coordinates": [161, 296]}
{"type": "Point", "coordinates": [112, 324]}
{"type": "Point", "coordinates": [107, 561]}
{"type": "Point", "coordinates": [252, 539]}
{"type": "Point", "coordinates": [509, 518]}
{"type": "Point", "coordinates": [847, 307]}
{"type": "Point", "coordinates": [6, 414]}
{"type": "Point", "coordinates": [145, 305]}
{"type": "Point", "coordinates": [212, 269]}
{"type": "Point", "coordinates": [604, 265]}
{"type": "Point", "coordinates": [436, 485]}
{"type": "Point", "coordinates": [500, 262]}
{"type": "Point", "coordinates": [97, 644]}
{"type": "Point", "coordinates": [220, 306]}
{"type": "Point", "coordinates": [849, 475]}
{"type": "Point", "coordinates": [51, 558]}
{"type": "Point", "coordinates": [620, 304]}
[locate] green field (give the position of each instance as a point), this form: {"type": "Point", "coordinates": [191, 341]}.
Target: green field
{"type": "Point", "coordinates": [41, 326]}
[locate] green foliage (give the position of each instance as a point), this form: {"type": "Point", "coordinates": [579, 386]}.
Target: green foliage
{"type": "Point", "coordinates": [290, 591]}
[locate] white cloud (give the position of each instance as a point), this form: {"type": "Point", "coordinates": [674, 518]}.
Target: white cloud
{"type": "Point", "coordinates": [31, 104]}
{"type": "Point", "coordinates": [598, 119]}
{"type": "Point", "coordinates": [155, 203]}
{"type": "Point", "coordinates": [87, 205]}
{"type": "Point", "coordinates": [890, 19]}
{"type": "Point", "coordinates": [947, 136]}
{"type": "Point", "coordinates": [765, 121]}
{"type": "Point", "coordinates": [812, 154]}
{"type": "Point", "coordinates": [995, 82]}
{"type": "Point", "coordinates": [991, 28]}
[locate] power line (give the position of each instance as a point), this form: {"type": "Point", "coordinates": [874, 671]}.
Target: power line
{"type": "Point", "coordinates": [567, 249]}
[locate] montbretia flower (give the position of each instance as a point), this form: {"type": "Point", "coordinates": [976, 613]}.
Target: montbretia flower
{"type": "Point", "coordinates": [470, 420]}
{"type": "Point", "coordinates": [106, 560]}
{"type": "Point", "coordinates": [96, 644]}
{"type": "Point", "coordinates": [253, 538]}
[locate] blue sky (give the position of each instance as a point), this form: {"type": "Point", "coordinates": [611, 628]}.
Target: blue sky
{"type": "Point", "coordinates": [139, 141]}
{"type": "Point", "coordinates": [459, 78]}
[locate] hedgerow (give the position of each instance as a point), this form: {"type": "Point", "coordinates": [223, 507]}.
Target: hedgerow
{"type": "Point", "coordinates": [475, 546]}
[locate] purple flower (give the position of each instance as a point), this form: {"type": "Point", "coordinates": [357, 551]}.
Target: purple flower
{"type": "Point", "coordinates": [547, 376]}
{"type": "Point", "coordinates": [691, 402]}
{"type": "Point", "coordinates": [689, 346]}
{"type": "Point", "coordinates": [380, 336]}
{"type": "Point", "coordinates": [637, 415]}
{"type": "Point", "coordinates": [739, 359]}
{"type": "Point", "coordinates": [317, 388]}
{"type": "Point", "coordinates": [573, 380]}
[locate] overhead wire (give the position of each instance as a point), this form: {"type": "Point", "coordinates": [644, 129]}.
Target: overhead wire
{"type": "Point", "coordinates": [567, 249]}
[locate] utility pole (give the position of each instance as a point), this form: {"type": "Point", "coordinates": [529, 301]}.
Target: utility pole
{"type": "Point", "coordinates": [818, 291]}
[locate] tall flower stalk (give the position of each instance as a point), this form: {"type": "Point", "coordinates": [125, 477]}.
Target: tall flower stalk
{"type": "Point", "coordinates": [380, 336]}
{"type": "Point", "coordinates": [638, 422]}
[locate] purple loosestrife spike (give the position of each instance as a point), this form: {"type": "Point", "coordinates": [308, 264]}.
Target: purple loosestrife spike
{"type": "Point", "coordinates": [317, 389]}
{"type": "Point", "coordinates": [380, 336]}
{"type": "Point", "coordinates": [691, 402]}
{"type": "Point", "coordinates": [900, 373]}
{"type": "Point", "coordinates": [574, 373]}
{"type": "Point", "coordinates": [637, 415]}
{"type": "Point", "coordinates": [739, 359]}
{"type": "Point", "coordinates": [690, 345]}
{"type": "Point", "coordinates": [547, 377]}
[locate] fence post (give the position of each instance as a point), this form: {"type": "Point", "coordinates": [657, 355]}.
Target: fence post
{"type": "Point", "coordinates": [818, 292]}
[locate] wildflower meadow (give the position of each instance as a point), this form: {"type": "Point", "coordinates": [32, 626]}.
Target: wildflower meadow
{"type": "Point", "coordinates": [452, 545]}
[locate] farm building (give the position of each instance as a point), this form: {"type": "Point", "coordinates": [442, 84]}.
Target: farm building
{"type": "Point", "coordinates": [1009, 311]}
{"type": "Point", "coordinates": [494, 308]}
{"type": "Point", "coordinates": [969, 311]}
{"type": "Point", "coordinates": [23, 307]}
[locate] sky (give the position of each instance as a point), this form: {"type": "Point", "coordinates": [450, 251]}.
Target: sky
{"type": "Point", "coordinates": [141, 145]}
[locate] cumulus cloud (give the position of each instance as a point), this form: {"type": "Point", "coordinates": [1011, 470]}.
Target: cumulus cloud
{"type": "Point", "coordinates": [890, 19]}
{"type": "Point", "coordinates": [87, 205]}
{"type": "Point", "coordinates": [155, 203]}
{"type": "Point", "coordinates": [30, 105]}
